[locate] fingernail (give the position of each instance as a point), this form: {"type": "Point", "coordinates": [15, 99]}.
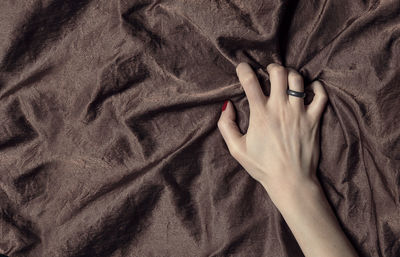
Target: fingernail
{"type": "Point", "coordinates": [224, 106]}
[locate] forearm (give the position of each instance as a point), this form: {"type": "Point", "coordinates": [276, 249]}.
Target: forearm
{"type": "Point", "coordinates": [306, 210]}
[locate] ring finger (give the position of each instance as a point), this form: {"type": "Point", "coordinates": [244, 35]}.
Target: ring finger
{"type": "Point", "coordinates": [296, 83]}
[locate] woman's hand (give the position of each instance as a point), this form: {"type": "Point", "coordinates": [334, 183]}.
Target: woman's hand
{"type": "Point", "coordinates": [281, 146]}
{"type": "Point", "coordinates": [281, 151]}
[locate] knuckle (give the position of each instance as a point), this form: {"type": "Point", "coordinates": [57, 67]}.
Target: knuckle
{"type": "Point", "coordinates": [249, 78]}
{"type": "Point", "coordinates": [239, 66]}
{"type": "Point", "coordinates": [278, 70]}
{"type": "Point", "coordinates": [295, 77]}
{"type": "Point", "coordinates": [323, 97]}
{"type": "Point", "coordinates": [317, 86]}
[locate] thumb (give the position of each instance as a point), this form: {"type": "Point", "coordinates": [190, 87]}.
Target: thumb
{"type": "Point", "coordinates": [229, 129]}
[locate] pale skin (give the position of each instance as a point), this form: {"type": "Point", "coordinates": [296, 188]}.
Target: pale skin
{"type": "Point", "coordinates": [281, 151]}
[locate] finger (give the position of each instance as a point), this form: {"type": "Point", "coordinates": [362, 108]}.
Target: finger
{"type": "Point", "coordinates": [317, 106]}
{"type": "Point", "coordinates": [251, 85]}
{"type": "Point", "coordinates": [229, 129]}
{"type": "Point", "coordinates": [278, 79]}
{"type": "Point", "coordinates": [296, 83]}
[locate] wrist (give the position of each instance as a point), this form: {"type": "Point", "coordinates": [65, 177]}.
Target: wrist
{"type": "Point", "coordinates": [287, 190]}
{"type": "Point", "coordinates": [305, 209]}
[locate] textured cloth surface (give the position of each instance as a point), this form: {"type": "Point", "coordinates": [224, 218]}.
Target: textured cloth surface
{"type": "Point", "coordinates": [109, 143]}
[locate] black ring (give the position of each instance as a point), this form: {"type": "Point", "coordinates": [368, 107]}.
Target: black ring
{"type": "Point", "coordinates": [295, 93]}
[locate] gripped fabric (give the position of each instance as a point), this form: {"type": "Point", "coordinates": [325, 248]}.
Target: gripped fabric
{"type": "Point", "coordinates": [109, 143]}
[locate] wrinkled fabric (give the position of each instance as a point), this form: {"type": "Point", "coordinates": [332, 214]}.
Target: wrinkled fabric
{"type": "Point", "coordinates": [109, 143]}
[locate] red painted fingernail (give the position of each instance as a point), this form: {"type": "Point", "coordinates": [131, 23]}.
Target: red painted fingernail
{"type": "Point", "coordinates": [224, 106]}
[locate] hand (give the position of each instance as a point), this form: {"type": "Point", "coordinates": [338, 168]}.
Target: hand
{"type": "Point", "coordinates": [281, 151]}
{"type": "Point", "coordinates": [282, 141]}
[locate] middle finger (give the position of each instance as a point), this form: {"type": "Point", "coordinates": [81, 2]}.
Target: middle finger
{"type": "Point", "coordinates": [278, 80]}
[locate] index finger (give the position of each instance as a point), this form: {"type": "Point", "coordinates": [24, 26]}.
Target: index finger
{"type": "Point", "coordinates": [251, 85]}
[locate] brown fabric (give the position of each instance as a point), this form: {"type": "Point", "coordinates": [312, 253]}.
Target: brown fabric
{"type": "Point", "coordinates": [109, 143]}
